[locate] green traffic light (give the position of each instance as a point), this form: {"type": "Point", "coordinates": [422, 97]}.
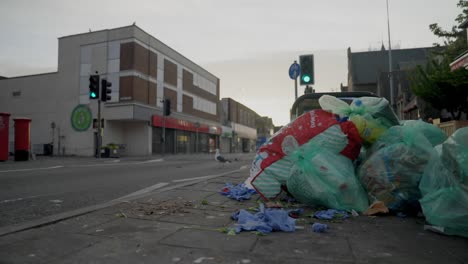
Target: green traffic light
{"type": "Point", "coordinates": [305, 78]}
{"type": "Point", "coordinates": [93, 95]}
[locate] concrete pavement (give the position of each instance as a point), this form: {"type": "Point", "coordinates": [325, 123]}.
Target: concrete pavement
{"type": "Point", "coordinates": [183, 224]}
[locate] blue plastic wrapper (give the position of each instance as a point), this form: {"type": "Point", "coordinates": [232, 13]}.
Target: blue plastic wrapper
{"type": "Point", "coordinates": [237, 192]}
{"type": "Point", "coordinates": [265, 221]}
{"type": "Point", "coordinates": [331, 214]}
{"type": "Point", "coordinates": [319, 228]}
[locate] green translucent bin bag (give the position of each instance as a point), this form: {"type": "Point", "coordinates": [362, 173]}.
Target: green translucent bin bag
{"type": "Point", "coordinates": [394, 167]}
{"type": "Point", "coordinates": [371, 115]}
{"type": "Point", "coordinates": [323, 178]}
{"type": "Point", "coordinates": [444, 185]}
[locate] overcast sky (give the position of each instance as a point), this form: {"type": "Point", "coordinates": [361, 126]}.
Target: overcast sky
{"type": "Point", "coordinates": [248, 44]}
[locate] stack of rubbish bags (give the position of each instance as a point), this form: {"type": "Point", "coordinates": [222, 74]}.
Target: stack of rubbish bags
{"type": "Point", "coordinates": [361, 157]}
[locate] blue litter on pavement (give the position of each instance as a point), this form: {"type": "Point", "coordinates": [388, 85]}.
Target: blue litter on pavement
{"type": "Point", "coordinates": [237, 192]}
{"type": "Point", "coordinates": [265, 221]}
{"type": "Point", "coordinates": [319, 228]}
{"type": "Point", "coordinates": [331, 214]}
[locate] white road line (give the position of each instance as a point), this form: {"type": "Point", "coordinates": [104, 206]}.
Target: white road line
{"type": "Point", "coordinates": [142, 191]}
{"type": "Point", "coordinates": [18, 199]}
{"type": "Point", "coordinates": [204, 177]}
{"type": "Point", "coordinates": [33, 169]}
{"type": "Point", "coordinates": [149, 161]}
{"type": "Point", "coordinates": [119, 163]}
{"type": "Point", "coordinates": [194, 178]}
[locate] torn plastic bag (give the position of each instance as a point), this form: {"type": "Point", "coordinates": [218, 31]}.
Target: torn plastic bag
{"type": "Point", "coordinates": [272, 165]}
{"type": "Point", "coordinates": [371, 115]}
{"type": "Point", "coordinates": [394, 167]}
{"type": "Point", "coordinates": [237, 192]}
{"type": "Point", "coordinates": [444, 185]}
{"type": "Point", "coordinates": [323, 178]}
{"type": "Point", "coordinates": [432, 133]}
{"type": "Point", "coordinates": [265, 221]}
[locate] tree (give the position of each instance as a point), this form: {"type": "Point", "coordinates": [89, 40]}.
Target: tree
{"type": "Point", "coordinates": [436, 83]}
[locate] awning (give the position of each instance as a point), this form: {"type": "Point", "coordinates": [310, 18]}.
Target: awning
{"type": "Point", "coordinates": [157, 121]}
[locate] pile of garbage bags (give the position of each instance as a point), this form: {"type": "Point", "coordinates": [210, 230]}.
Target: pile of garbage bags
{"type": "Point", "coordinates": [361, 157]}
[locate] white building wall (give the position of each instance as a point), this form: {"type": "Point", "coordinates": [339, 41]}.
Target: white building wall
{"type": "Point", "coordinates": [52, 97]}
{"type": "Point", "coordinates": [34, 102]}
{"type": "Point", "coordinates": [140, 136]}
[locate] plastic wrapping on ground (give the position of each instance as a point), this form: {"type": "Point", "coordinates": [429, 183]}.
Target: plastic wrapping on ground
{"type": "Point", "coordinates": [395, 164]}
{"type": "Point", "coordinates": [265, 221]}
{"type": "Point", "coordinates": [444, 185]}
{"type": "Point", "coordinates": [323, 178]}
{"type": "Point", "coordinates": [237, 192]}
{"type": "Point", "coordinates": [372, 116]}
{"type": "Point", "coordinates": [272, 165]}
{"type": "Point", "coordinates": [331, 214]}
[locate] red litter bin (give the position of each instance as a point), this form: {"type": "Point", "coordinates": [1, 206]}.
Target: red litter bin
{"type": "Point", "coordinates": [22, 138]}
{"type": "Point", "coordinates": [4, 130]}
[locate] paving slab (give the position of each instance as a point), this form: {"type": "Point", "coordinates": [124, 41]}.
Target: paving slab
{"type": "Point", "coordinates": [42, 246]}
{"type": "Point", "coordinates": [210, 239]}
{"type": "Point", "coordinates": [215, 219]}
{"type": "Point", "coordinates": [305, 244]}
{"type": "Point", "coordinates": [122, 251]}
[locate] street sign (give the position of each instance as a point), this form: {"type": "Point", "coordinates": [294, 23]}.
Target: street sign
{"type": "Point", "coordinates": [294, 70]}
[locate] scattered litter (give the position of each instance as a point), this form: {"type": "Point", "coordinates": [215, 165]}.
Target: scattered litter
{"type": "Point", "coordinates": [200, 260]}
{"type": "Point", "coordinates": [121, 214]}
{"type": "Point", "coordinates": [204, 202]}
{"type": "Point", "coordinates": [99, 230]}
{"type": "Point", "coordinates": [331, 214]}
{"type": "Point", "coordinates": [295, 213]}
{"type": "Point", "coordinates": [436, 229]}
{"type": "Point", "coordinates": [237, 192]}
{"type": "Point", "coordinates": [401, 215]}
{"type": "Point", "coordinates": [376, 208]}
{"type": "Point", "coordinates": [354, 213]}
{"type": "Point", "coordinates": [265, 221]}
{"type": "Point", "coordinates": [319, 228]}
{"type": "Point", "coordinates": [55, 201]}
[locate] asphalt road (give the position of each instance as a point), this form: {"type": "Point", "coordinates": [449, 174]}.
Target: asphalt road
{"type": "Point", "coordinates": [32, 193]}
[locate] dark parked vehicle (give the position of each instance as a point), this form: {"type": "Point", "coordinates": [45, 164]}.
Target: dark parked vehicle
{"type": "Point", "coordinates": [310, 101]}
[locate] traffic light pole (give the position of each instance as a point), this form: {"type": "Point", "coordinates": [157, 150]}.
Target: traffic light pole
{"type": "Point", "coordinates": [99, 134]}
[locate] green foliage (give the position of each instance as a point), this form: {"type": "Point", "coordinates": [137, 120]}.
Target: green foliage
{"type": "Point", "coordinates": [436, 83]}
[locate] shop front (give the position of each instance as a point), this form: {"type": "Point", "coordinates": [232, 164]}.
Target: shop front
{"type": "Point", "coordinates": [176, 136]}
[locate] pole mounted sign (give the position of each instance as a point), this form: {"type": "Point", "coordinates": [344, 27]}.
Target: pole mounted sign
{"type": "Point", "coordinates": [294, 70]}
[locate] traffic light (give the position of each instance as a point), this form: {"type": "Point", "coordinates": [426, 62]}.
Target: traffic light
{"type": "Point", "coordinates": [167, 107]}
{"type": "Point", "coordinates": [105, 90]}
{"type": "Point", "coordinates": [307, 69]}
{"type": "Point", "coordinates": [94, 87]}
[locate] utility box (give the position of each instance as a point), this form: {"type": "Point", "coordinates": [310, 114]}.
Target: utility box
{"type": "Point", "coordinates": [22, 138]}
{"type": "Point", "coordinates": [4, 129]}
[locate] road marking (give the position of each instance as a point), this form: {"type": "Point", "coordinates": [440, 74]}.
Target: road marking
{"type": "Point", "coordinates": [149, 161]}
{"type": "Point", "coordinates": [143, 191]}
{"type": "Point", "coordinates": [18, 199]}
{"type": "Point", "coordinates": [115, 163]}
{"type": "Point", "coordinates": [33, 169]}
{"type": "Point", "coordinates": [204, 177]}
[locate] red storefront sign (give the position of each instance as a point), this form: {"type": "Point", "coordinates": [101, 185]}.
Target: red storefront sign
{"type": "Point", "coordinates": [157, 121]}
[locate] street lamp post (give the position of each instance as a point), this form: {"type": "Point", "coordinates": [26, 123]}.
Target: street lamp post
{"type": "Point", "coordinates": [390, 71]}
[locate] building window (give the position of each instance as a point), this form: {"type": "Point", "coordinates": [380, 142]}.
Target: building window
{"type": "Point", "coordinates": [204, 105]}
